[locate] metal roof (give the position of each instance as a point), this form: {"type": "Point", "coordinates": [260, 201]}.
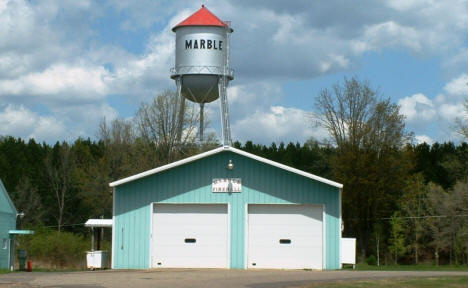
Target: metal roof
{"type": "Point", "coordinates": [98, 223]}
{"type": "Point", "coordinates": [202, 17]}
{"type": "Point", "coordinates": [218, 150]}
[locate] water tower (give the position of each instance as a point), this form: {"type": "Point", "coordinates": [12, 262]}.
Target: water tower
{"type": "Point", "coordinates": [201, 69]}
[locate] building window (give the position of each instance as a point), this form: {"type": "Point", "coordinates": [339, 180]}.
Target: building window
{"type": "Point", "coordinates": [5, 243]}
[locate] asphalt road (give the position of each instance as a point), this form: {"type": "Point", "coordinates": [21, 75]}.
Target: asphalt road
{"type": "Point", "coordinates": [178, 278]}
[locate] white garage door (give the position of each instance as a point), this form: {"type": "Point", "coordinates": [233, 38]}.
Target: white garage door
{"type": "Point", "coordinates": [285, 236]}
{"type": "Point", "coordinates": [190, 235]}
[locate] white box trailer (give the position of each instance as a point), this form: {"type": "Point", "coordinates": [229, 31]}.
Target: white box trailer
{"type": "Point", "coordinates": [97, 259]}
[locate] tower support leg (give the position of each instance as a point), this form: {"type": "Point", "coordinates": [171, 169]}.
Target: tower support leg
{"type": "Point", "coordinates": [226, 129]}
{"type": "Point", "coordinates": [202, 124]}
{"type": "Point", "coordinates": [180, 120]}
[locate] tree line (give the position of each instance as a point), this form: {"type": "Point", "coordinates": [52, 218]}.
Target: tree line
{"type": "Point", "coordinates": [403, 202]}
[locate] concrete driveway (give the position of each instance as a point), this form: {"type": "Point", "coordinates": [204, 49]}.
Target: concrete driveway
{"type": "Point", "coordinates": [176, 278]}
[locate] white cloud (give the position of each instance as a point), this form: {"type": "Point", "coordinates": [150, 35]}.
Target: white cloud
{"type": "Point", "coordinates": [61, 82]}
{"type": "Point", "coordinates": [417, 108]}
{"type": "Point", "coordinates": [277, 124]}
{"type": "Point", "coordinates": [458, 61]}
{"type": "Point", "coordinates": [450, 105]}
{"type": "Point", "coordinates": [390, 34]}
{"type": "Point", "coordinates": [437, 117]}
{"type": "Point", "coordinates": [299, 41]}
{"type": "Point", "coordinates": [83, 120]}
{"type": "Point", "coordinates": [458, 86]}
{"type": "Point", "coordinates": [67, 123]}
{"type": "Point", "coordinates": [35, 35]}
{"type": "Point", "coordinates": [424, 139]}
{"type": "Point", "coordinates": [55, 54]}
{"type": "Point", "coordinates": [143, 76]}
{"type": "Point", "coordinates": [21, 122]}
{"type": "Point", "coordinates": [450, 112]}
{"type": "Point", "coordinates": [254, 94]}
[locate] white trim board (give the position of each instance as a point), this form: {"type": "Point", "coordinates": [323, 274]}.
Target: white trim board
{"type": "Point", "coordinates": [151, 206]}
{"type": "Point", "coordinates": [113, 230]}
{"type": "Point", "coordinates": [228, 264]}
{"type": "Point", "coordinates": [324, 237]}
{"type": "Point", "coordinates": [219, 150]}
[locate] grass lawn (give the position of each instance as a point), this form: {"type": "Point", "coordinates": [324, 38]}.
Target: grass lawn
{"type": "Point", "coordinates": [4, 271]}
{"type": "Point", "coordinates": [431, 282]}
{"type": "Point", "coordinates": [420, 267]}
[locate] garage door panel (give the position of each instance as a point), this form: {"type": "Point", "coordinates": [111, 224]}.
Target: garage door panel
{"type": "Point", "coordinates": [285, 236]}
{"type": "Point", "coordinates": [190, 262]}
{"type": "Point", "coordinates": [180, 242]}
{"type": "Point", "coordinates": [295, 242]}
{"type": "Point", "coordinates": [188, 253]}
{"type": "Point", "coordinates": [262, 230]}
{"type": "Point", "coordinates": [189, 230]}
{"type": "Point", "coordinates": [190, 235]}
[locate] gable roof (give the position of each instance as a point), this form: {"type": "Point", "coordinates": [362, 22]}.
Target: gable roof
{"type": "Point", "coordinates": [7, 199]}
{"type": "Point", "coordinates": [202, 17]}
{"type": "Point", "coordinates": [219, 150]}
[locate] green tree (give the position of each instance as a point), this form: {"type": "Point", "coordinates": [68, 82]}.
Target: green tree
{"type": "Point", "coordinates": [27, 200]}
{"type": "Point", "coordinates": [447, 221]}
{"type": "Point", "coordinates": [161, 124]}
{"type": "Point", "coordinates": [378, 234]}
{"type": "Point", "coordinates": [369, 134]}
{"type": "Point", "coordinates": [118, 138]}
{"type": "Point", "coordinates": [91, 177]}
{"type": "Point", "coordinates": [59, 165]}
{"type": "Point", "coordinates": [436, 221]}
{"type": "Point", "coordinates": [412, 205]}
{"type": "Point", "coordinates": [396, 241]}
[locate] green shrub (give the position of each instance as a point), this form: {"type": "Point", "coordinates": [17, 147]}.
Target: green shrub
{"type": "Point", "coordinates": [59, 249]}
{"type": "Point", "coordinates": [371, 260]}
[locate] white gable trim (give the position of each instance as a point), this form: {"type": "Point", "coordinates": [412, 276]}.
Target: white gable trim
{"type": "Point", "coordinates": [218, 150]}
{"type": "Point", "coordinates": [166, 167]}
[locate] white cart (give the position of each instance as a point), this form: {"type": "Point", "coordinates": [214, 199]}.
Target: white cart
{"type": "Point", "coordinates": [97, 259]}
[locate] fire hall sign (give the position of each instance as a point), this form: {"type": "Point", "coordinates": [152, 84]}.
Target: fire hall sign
{"type": "Point", "coordinates": [227, 185]}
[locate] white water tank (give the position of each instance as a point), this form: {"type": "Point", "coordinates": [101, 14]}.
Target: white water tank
{"type": "Point", "coordinates": [202, 55]}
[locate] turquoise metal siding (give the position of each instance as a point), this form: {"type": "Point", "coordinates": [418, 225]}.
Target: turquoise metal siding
{"type": "Point", "coordinates": [7, 222]}
{"type": "Point", "coordinates": [191, 183]}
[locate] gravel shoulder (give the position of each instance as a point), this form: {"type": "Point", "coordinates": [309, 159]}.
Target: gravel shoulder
{"type": "Point", "coordinates": [200, 278]}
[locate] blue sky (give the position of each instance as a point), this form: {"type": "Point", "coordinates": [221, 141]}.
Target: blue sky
{"type": "Point", "coordinates": [64, 65]}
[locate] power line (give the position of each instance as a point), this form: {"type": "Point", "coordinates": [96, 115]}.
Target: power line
{"type": "Point", "coordinates": [64, 225]}
{"type": "Point", "coordinates": [409, 217]}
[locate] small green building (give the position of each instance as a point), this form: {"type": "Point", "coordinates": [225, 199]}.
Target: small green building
{"type": "Point", "coordinates": [7, 223]}
{"type": "Point", "coordinates": [226, 208]}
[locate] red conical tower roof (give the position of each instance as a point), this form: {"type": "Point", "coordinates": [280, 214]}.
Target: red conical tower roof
{"type": "Point", "coordinates": [202, 17]}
